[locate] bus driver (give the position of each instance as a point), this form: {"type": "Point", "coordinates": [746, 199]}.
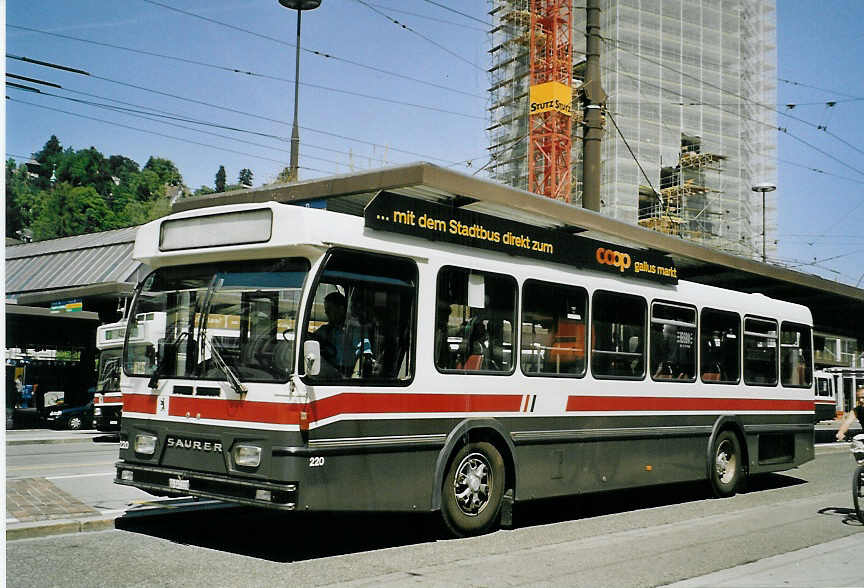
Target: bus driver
{"type": "Point", "coordinates": [342, 344]}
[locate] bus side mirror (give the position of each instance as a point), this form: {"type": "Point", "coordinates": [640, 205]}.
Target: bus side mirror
{"type": "Point", "coordinates": [312, 357]}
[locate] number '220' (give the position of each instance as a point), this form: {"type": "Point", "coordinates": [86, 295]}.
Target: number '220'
{"type": "Point", "coordinates": [316, 462]}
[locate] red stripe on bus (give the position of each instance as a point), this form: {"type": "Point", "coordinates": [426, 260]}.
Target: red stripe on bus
{"type": "Point", "coordinates": [145, 403]}
{"type": "Point", "coordinates": [414, 403]}
{"type": "Point", "coordinates": [279, 413]}
{"type": "Point", "coordinates": [651, 403]}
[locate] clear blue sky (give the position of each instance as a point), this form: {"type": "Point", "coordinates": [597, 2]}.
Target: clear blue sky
{"type": "Point", "coordinates": [356, 115]}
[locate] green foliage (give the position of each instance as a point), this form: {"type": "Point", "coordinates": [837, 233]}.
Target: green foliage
{"type": "Point", "coordinates": [165, 170]}
{"type": "Point", "coordinates": [71, 210]}
{"type": "Point", "coordinates": [203, 191]}
{"type": "Point", "coordinates": [89, 192]}
{"type": "Point", "coordinates": [244, 178]}
{"type": "Point", "coordinates": [220, 179]}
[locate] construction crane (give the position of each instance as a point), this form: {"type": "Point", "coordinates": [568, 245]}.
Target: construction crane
{"type": "Point", "coordinates": [551, 75]}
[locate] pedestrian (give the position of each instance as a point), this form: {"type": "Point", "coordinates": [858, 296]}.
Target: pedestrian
{"type": "Point", "coordinates": [856, 412]}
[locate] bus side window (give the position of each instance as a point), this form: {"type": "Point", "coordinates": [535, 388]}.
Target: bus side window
{"type": "Point", "coordinates": [362, 314]}
{"type": "Point", "coordinates": [474, 318]}
{"type": "Point", "coordinates": [553, 329]}
{"type": "Point", "coordinates": [796, 356]}
{"type": "Point", "coordinates": [618, 335]}
{"type": "Point", "coordinates": [719, 346]}
{"type": "Point", "coordinates": [673, 342]}
{"type": "Point", "coordinates": [760, 351]}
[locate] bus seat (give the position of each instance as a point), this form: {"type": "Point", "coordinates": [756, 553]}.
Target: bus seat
{"type": "Point", "coordinates": [473, 363]}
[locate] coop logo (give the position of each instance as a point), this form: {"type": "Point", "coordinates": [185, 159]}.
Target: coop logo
{"type": "Point", "coordinates": [614, 258]}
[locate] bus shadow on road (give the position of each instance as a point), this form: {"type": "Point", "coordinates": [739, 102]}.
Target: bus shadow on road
{"type": "Point", "coordinates": [288, 536]}
{"type": "Point", "coordinates": [555, 510]}
{"type": "Point", "coordinates": [298, 536]}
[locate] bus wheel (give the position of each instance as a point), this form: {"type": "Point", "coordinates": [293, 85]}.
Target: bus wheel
{"type": "Point", "coordinates": [727, 467]}
{"type": "Point", "coordinates": [472, 489]}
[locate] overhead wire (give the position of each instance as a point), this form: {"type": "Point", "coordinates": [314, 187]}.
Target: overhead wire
{"type": "Point", "coordinates": [236, 70]}
{"type": "Point", "coordinates": [419, 34]}
{"type": "Point", "coordinates": [113, 123]}
{"type": "Point", "coordinates": [252, 115]}
{"type": "Point", "coordinates": [156, 115]}
{"type": "Point", "coordinates": [465, 14]}
{"type": "Point", "coordinates": [288, 44]}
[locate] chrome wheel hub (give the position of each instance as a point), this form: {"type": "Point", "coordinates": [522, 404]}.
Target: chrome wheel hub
{"type": "Point", "coordinates": [473, 484]}
{"type": "Point", "coordinates": [726, 462]}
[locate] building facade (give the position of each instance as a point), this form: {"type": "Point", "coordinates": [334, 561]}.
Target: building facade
{"type": "Point", "coordinates": [691, 87]}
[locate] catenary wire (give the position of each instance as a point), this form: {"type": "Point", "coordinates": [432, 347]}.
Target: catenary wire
{"type": "Point", "coordinates": [287, 44]}
{"type": "Point", "coordinates": [421, 35]}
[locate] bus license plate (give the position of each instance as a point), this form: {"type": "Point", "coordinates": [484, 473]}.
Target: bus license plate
{"type": "Point", "coordinates": [178, 484]}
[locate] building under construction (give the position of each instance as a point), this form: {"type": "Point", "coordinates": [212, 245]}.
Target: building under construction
{"type": "Point", "coordinates": [691, 86]}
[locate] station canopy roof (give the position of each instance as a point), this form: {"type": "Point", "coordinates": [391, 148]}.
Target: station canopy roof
{"type": "Point", "coordinates": [837, 308]}
{"type": "Point", "coordinates": [93, 265]}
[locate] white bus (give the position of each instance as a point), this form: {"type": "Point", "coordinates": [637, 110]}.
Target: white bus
{"type": "Point", "coordinates": [108, 399]}
{"type": "Point", "coordinates": [826, 396]}
{"type": "Point", "coordinates": [445, 360]}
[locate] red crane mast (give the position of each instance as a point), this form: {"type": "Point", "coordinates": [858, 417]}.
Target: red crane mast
{"type": "Point", "coordinates": [550, 114]}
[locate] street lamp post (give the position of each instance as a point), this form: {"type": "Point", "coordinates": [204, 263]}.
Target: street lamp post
{"type": "Point", "coordinates": [763, 188]}
{"type": "Point", "coordinates": [299, 6]}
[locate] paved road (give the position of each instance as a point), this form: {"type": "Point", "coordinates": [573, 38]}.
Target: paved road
{"type": "Point", "coordinates": [632, 538]}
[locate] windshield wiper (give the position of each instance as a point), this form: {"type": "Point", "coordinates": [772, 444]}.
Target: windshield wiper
{"type": "Point", "coordinates": [232, 378]}
{"type": "Point", "coordinates": [205, 341]}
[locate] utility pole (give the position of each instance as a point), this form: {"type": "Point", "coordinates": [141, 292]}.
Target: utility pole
{"type": "Point", "coordinates": [594, 98]}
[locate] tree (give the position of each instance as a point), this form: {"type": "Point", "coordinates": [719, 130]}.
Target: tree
{"type": "Point", "coordinates": [220, 179]}
{"type": "Point", "coordinates": [245, 178]}
{"type": "Point", "coordinates": [165, 169]}
{"type": "Point", "coordinates": [203, 191]}
{"type": "Point", "coordinates": [70, 210]}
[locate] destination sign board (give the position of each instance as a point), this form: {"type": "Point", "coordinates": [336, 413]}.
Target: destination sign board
{"type": "Point", "coordinates": [437, 222]}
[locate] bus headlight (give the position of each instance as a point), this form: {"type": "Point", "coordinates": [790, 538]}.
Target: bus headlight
{"type": "Point", "coordinates": [145, 444]}
{"type": "Point", "coordinates": [247, 455]}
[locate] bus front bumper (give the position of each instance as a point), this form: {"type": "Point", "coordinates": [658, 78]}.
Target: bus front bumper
{"type": "Point", "coordinates": [177, 482]}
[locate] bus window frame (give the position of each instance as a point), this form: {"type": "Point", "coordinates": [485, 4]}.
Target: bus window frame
{"type": "Point", "coordinates": [308, 300]}
{"type": "Point", "coordinates": [587, 312]}
{"type": "Point", "coordinates": [745, 333]}
{"type": "Point", "coordinates": [594, 349]}
{"type": "Point", "coordinates": [806, 364]}
{"type": "Point", "coordinates": [739, 353]}
{"type": "Point", "coordinates": [695, 326]}
{"type": "Point", "coordinates": [515, 325]}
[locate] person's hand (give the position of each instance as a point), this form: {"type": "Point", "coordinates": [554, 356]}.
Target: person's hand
{"type": "Point", "coordinates": [840, 437]}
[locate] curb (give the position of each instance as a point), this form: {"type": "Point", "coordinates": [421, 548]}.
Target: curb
{"type": "Point", "coordinates": [49, 441]}
{"type": "Point", "coordinates": [58, 527]}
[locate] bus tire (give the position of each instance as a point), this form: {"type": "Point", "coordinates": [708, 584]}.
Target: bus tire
{"type": "Point", "coordinates": [473, 488]}
{"type": "Point", "coordinates": [727, 466]}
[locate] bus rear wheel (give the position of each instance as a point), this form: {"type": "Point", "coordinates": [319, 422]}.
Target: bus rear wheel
{"type": "Point", "coordinates": [727, 465]}
{"type": "Point", "coordinates": [473, 489]}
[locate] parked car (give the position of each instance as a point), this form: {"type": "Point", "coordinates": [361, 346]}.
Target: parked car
{"type": "Point", "coordinates": [70, 417]}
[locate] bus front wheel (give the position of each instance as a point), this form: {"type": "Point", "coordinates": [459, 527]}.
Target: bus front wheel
{"type": "Point", "coordinates": [727, 466]}
{"type": "Point", "coordinates": [472, 490]}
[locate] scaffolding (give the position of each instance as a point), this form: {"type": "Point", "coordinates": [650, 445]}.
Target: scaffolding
{"type": "Point", "coordinates": [686, 205]}
{"type": "Point", "coordinates": [654, 106]}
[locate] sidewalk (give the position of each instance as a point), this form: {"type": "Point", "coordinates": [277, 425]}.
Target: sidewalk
{"type": "Point", "coordinates": [836, 563]}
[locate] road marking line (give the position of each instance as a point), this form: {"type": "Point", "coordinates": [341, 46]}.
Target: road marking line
{"type": "Point", "coordinates": [79, 476]}
{"type": "Point", "coordinates": [59, 465]}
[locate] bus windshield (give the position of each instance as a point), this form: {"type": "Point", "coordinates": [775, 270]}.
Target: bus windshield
{"type": "Point", "coordinates": [109, 370]}
{"type": "Point", "coordinates": [231, 320]}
